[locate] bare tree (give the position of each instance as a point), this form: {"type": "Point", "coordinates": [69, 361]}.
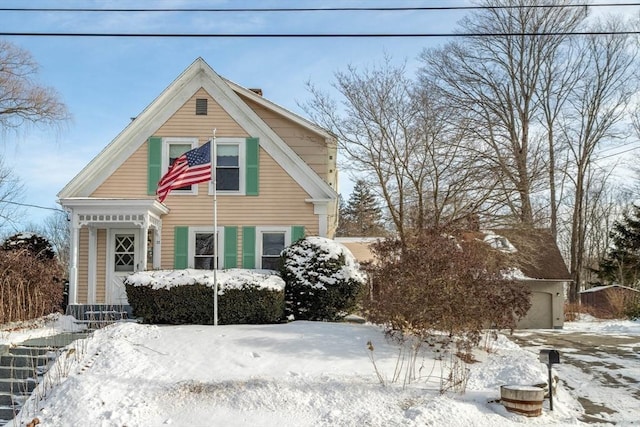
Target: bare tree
{"type": "Point", "coordinates": [405, 141]}
{"type": "Point", "coordinates": [560, 74]}
{"type": "Point", "coordinates": [23, 101]}
{"type": "Point", "coordinates": [373, 127]}
{"type": "Point", "coordinates": [597, 110]}
{"type": "Point", "coordinates": [11, 190]}
{"type": "Point", "coordinates": [497, 79]}
{"type": "Point", "coordinates": [55, 228]}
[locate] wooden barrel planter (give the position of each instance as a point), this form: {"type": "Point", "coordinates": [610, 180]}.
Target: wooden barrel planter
{"type": "Point", "coordinates": [523, 400]}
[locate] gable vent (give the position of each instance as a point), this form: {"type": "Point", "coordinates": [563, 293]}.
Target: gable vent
{"type": "Point", "coordinates": [201, 106]}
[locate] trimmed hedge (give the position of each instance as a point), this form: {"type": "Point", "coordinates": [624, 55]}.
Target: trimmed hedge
{"type": "Point", "coordinates": [193, 304]}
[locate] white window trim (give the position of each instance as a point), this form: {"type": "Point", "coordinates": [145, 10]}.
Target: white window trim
{"type": "Point", "coordinates": [191, 253]}
{"type": "Point", "coordinates": [270, 229]}
{"type": "Point", "coordinates": [242, 162]}
{"type": "Point", "coordinates": [166, 142]}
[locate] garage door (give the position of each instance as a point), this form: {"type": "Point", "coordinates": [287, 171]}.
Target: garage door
{"type": "Point", "coordinates": [540, 315]}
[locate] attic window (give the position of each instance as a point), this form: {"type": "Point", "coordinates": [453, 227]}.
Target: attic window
{"type": "Point", "coordinates": [201, 106]}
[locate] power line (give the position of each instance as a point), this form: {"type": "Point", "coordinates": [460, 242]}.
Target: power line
{"type": "Point", "coordinates": [616, 154]}
{"type": "Point", "coordinates": [617, 147]}
{"type": "Point", "coordinates": [315, 9]}
{"type": "Point", "coordinates": [315, 35]}
{"type": "Point", "coordinates": [28, 205]}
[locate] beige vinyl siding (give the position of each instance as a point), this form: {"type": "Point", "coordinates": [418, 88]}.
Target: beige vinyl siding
{"type": "Point", "coordinates": [83, 266]}
{"type": "Point", "coordinates": [185, 122]}
{"type": "Point", "coordinates": [281, 202]}
{"type": "Point", "coordinates": [129, 180]}
{"type": "Point", "coordinates": [83, 263]}
{"type": "Point", "coordinates": [101, 263]}
{"type": "Point", "coordinates": [310, 146]}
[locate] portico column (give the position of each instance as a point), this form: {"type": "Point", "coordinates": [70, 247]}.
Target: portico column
{"type": "Point", "coordinates": [320, 208]}
{"type": "Point", "coordinates": [144, 247]}
{"type": "Point", "coordinates": [157, 245]}
{"type": "Point", "coordinates": [73, 261]}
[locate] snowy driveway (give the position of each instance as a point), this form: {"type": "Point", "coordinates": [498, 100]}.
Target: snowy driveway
{"type": "Point", "coordinates": [601, 369]}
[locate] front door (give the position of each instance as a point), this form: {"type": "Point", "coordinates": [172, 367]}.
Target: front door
{"type": "Point", "coordinates": [123, 256]}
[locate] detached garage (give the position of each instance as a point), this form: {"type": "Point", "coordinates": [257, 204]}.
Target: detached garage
{"type": "Point", "coordinates": [536, 255]}
{"type": "Point", "coordinates": [536, 259]}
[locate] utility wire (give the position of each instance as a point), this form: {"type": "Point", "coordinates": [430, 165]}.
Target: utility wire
{"type": "Point", "coordinates": [616, 154]}
{"type": "Point", "coordinates": [315, 35]}
{"type": "Point", "coordinates": [28, 205]}
{"type": "Point", "coordinates": [315, 9]}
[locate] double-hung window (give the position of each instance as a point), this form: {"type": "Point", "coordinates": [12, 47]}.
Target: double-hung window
{"type": "Point", "coordinates": [270, 242]}
{"type": "Point", "coordinates": [173, 148]}
{"type": "Point", "coordinates": [202, 251]}
{"type": "Point", "coordinates": [230, 165]}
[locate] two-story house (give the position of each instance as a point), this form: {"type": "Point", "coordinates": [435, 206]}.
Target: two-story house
{"type": "Point", "coordinates": [277, 182]}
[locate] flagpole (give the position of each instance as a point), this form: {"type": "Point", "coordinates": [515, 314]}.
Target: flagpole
{"type": "Point", "coordinates": [215, 229]}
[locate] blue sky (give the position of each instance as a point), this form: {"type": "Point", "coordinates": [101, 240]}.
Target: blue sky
{"type": "Point", "coordinates": [107, 81]}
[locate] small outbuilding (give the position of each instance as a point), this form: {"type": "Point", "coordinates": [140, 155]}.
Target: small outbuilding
{"type": "Point", "coordinates": [537, 263]}
{"type": "Point", "coordinates": [609, 301]}
{"type": "Point", "coordinates": [537, 256]}
{"type": "Point", "coordinates": [360, 247]}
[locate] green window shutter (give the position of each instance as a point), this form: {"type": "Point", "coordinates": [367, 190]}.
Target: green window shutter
{"type": "Point", "coordinates": [248, 247]}
{"type": "Point", "coordinates": [230, 247]}
{"type": "Point", "coordinates": [181, 247]}
{"type": "Point", "coordinates": [297, 233]}
{"type": "Point", "coordinates": [252, 158]}
{"type": "Point", "coordinates": [154, 164]}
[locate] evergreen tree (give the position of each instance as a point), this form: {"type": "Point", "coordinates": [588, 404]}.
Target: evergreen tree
{"type": "Point", "coordinates": [34, 244]}
{"type": "Point", "coordinates": [622, 263]}
{"type": "Point", "coordinates": [344, 222]}
{"type": "Point", "coordinates": [362, 215]}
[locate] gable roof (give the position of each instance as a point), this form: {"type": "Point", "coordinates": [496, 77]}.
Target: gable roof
{"type": "Point", "coordinates": [537, 255]}
{"type": "Point", "coordinates": [200, 75]}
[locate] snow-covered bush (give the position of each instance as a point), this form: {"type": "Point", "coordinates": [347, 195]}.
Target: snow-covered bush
{"type": "Point", "coordinates": [187, 296]}
{"type": "Point", "coordinates": [323, 280]}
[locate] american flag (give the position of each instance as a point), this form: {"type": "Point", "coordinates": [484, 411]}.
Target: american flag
{"type": "Point", "coordinates": [193, 167]}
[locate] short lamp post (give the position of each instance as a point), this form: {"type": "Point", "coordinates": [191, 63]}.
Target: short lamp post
{"type": "Point", "coordinates": [550, 357]}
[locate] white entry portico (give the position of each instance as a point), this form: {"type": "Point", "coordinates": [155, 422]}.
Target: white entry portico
{"type": "Point", "coordinates": [114, 237]}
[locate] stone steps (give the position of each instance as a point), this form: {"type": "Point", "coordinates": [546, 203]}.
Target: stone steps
{"type": "Point", "coordinates": [22, 368]}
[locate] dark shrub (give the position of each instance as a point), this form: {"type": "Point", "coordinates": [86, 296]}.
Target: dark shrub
{"type": "Point", "coordinates": [632, 310]}
{"type": "Point", "coordinates": [30, 286]}
{"type": "Point", "coordinates": [444, 282]}
{"type": "Point", "coordinates": [322, 280]}
{"type": "Point", "coordinates": [242, 298]}
{"type": "Point", "coordinates": [37, 245]}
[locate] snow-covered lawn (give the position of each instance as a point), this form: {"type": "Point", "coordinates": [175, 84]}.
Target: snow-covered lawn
{"type": "Point", "coordinates": [295, 374]}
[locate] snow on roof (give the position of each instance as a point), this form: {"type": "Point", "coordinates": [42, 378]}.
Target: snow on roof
{"type": "Point", "coordinates": [602, 288]}
{"type": "Point", "coordinates": [514, 274]}
{"type": "Point", "coordinates": [233, 278]}
{"type": "Point", "coordinates": [499, 242]}
{"type": "Point", "coordinates": [358, 239]}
